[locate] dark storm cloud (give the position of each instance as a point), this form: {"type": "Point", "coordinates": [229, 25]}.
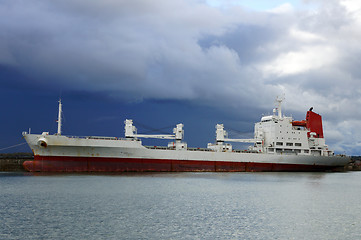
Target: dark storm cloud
{"type": "Point", "coordinates": [225, 56]}
{"type": "Point", "coordinates": [146, 49]}
{"type": "Point", "coordinates": [245, 40]}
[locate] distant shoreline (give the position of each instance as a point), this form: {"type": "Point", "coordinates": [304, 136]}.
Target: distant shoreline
{"type": "Point", "coordinates": [13, 162]}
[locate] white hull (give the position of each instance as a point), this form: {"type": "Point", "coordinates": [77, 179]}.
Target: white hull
{"type": "Point", "coordinates": [58, 147]}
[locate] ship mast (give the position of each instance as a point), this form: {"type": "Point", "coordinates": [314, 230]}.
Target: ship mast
{"type": "Point", "coordinates": [59, 117]}
{"type": "Point", "coordinates": [279, 101]}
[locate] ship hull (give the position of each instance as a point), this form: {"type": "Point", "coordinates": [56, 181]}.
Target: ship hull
{"type": "Point", "coordinates": [54, 153]}
{"type": "Point", "coordinates": [100, 164]}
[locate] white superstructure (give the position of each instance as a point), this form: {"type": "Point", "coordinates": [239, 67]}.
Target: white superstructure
{"type": "Point", "coordinates": [277, 134]}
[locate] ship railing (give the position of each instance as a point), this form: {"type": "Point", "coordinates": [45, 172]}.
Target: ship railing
{"type": "Point", "coordinates": [201, 149]}
{"type": "Point", "coordinates": [96, 137]}
{"type": "Point", "coordinates": [198, 149]}
{"type": "Point", "coordinates": [159, 147]}
{"type": "Point", "coordinates": [103, 138]}
{"type": "Point", "coordinates": [173, 148]}
{"type": "Point", "coordinates": [212, 150]}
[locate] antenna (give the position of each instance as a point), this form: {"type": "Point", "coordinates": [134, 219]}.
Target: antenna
{"type": "Point", "coordinates": [59, 117]}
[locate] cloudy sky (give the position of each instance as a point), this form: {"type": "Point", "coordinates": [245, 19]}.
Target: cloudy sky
{"type": "Point", "coordinates": [164, 62]}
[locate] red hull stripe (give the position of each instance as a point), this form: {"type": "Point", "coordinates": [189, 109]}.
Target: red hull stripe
{"type": "Point", "coordinates": [87, 164]}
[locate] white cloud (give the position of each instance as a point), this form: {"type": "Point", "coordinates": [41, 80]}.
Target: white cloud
{"type": "Point", "coordinates": [353, 7]}
{"type": "Point", "coordinates": [307, 37]}
{"type": "Point", "coordinates": [303, 60]}
{"type": "Point", "coordinates": [282, 9]}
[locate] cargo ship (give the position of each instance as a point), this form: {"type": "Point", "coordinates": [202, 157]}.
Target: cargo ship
{"type": "Point", "coordinates": [279, 144]}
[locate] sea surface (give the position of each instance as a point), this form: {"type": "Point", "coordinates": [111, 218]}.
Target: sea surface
{"type": "Point", "coordinates": [181, 206]}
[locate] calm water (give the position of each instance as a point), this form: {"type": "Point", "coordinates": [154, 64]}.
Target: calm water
{"type": "Point", "coordinates": [181, 206]}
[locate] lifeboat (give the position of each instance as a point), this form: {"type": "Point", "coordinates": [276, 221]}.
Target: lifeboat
{"type": "Point", "coordinates": [302, 123]}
